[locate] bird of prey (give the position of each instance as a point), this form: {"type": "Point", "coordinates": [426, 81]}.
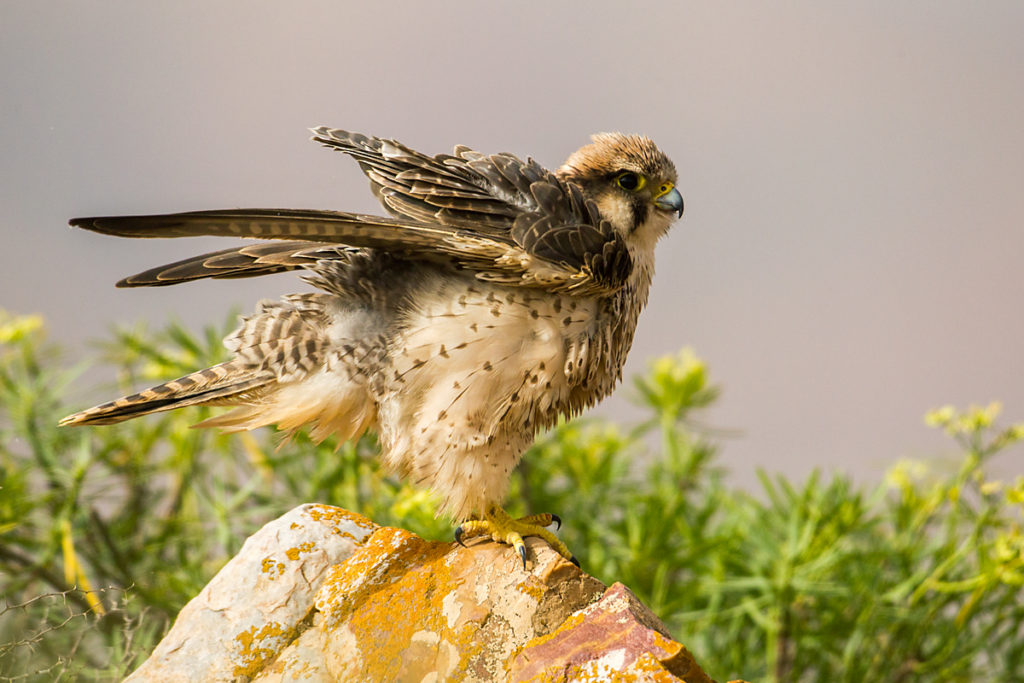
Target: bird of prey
{"type": "Point", "coordinates": [496, 297]}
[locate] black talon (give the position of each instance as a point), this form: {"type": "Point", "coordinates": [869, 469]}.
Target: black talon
{"type": "Point", "coordinates": [575, 561]}
{"type": "Point", "coordinates": [557, 520]}
{"type": "Point", "coordinates": [458, 535]}
{"type": "Point", "coordinates": [522, 554]}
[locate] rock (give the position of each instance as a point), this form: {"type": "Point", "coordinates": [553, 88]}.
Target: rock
{"type": "Point", "coordinates": [323, 594]}
{"type": "Point", "coordinates": [258, 601]}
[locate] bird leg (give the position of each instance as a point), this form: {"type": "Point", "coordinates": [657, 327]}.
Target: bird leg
{"type": "Point", "coordinates": [497, 524]}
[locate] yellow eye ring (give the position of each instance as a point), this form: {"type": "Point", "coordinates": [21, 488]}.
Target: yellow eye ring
{"type": "Point", "coordinates": [631, 182]}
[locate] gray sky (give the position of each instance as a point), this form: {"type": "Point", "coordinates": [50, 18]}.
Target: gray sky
{"type": "Point", "coordinates": [853, 173]}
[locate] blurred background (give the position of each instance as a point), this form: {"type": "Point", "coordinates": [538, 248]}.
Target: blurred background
{"type": "Point", "coordinates": [850, 256]}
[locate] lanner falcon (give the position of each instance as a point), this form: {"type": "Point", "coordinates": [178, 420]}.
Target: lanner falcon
{"type": "Point", "coordinates": [497, 297]}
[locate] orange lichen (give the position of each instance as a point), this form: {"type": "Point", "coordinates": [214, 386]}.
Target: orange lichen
{"type": "Point", "coordinates": [294, 553]}
{"type": "Point", "coordinates": [400, 595]}
{"type": "Point", "coordinates": [335, 515]}
{"type": "Point", "coordinates": [533, 589]}
{"type": "Point", "coordinates": [258, 645]}
{"type": "Point", "coordinates": [653, 668]}
{"type": "Point", "coordinates": [272, 567]}
{"type": "Point", "coordinates": [329, 513]}
{"type": "Point", "coordinates": [295, 670]}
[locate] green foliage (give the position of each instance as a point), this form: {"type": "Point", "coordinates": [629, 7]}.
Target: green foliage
{"type": "Point", "coordinates": [106, 532]}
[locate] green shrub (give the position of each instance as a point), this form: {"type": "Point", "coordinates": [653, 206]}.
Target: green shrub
{"type": "Point", "coordinates": [106, 532]}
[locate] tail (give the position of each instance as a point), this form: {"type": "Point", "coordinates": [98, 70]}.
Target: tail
{"type": "Point", "coordinates": [215, 385]}
{"type": "Point", "coordinates": [279, 376]}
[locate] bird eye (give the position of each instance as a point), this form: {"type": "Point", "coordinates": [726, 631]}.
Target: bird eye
{"type": "Point", "coordinates": [630, 181]}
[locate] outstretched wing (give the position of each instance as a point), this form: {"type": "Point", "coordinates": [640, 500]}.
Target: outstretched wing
{"type": "Point", "coordinates": [507, 220]}
{"type": "Point", "coordinates": [497, 195]}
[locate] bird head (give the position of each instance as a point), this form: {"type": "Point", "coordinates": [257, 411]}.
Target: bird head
{"type": "Point", "coordinates": [631, 181]}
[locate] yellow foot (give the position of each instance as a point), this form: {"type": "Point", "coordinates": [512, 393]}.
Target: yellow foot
{"type": "Point", "coordinates": [501, 528]}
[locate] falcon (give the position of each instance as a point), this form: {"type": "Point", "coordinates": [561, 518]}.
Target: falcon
{"type": "Point", "coordinates": [497, 297]}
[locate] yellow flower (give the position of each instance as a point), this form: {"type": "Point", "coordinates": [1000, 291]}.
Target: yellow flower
{"type": "Point", "coordinates": [990, 487]}
{"type": "Point", "coordinates": [904, 473]}
{"type": "Point", "coordinates": [940, 417]}
{"type": "Point", "coordinates": [14, 328]}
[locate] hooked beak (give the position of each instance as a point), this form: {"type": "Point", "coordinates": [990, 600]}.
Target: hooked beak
{"type": "Point", "coordinates": [670, 201]}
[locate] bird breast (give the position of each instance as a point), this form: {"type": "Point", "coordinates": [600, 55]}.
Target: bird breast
{"type": "Point", "coordinates": [475, 369]}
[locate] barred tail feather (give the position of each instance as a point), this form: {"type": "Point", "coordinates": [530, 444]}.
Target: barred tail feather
{"type": "Point", "coordinates": [212, 385]}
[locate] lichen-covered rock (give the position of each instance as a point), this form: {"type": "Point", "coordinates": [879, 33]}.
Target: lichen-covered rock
{"type": "Point", "coordinates": [256, 603]}
{"type": "Point", "coordinates": [322, 594]}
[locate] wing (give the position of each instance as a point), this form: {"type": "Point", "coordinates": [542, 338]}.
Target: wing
{"type": "Point", "coordinates": [249, 260]}
{"type": "Point", "coordinates": [496, 195]}
{"type": "Point", "coordinates": [506, 220]}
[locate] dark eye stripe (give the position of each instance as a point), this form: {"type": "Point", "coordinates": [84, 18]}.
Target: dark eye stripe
{"type": "Point", "coordinates": [641, 209]}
